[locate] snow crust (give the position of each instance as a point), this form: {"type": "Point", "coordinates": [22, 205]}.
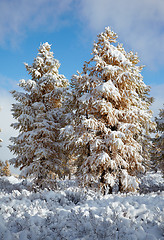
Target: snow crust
{"type": "Point", "coordinates": [73, 213]}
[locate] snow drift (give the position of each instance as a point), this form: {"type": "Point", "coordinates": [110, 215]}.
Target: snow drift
{"type": "Point", "coordinates": [73, 213]}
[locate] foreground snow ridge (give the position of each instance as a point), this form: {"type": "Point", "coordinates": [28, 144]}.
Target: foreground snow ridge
{"type": "Point", "coordinates": [74, 213]}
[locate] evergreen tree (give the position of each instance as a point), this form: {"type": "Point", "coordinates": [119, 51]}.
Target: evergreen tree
{"type": "Point", "coordinates": [1, 168]}
{"type": "Point", "coordinates": [39, 118]}
{"type": "Point", "coordinates": [0, 138]}
{"type": "Point", "coordinates": [66, 133]}
{"type": "Point", "coordinates": [6, 169]}
{"type": "Point", "coordinates": [158, 143]}
{"type": "Point", "coordinates": [111, 117]}
{"type": "Point", "coordinates": [1, 163]}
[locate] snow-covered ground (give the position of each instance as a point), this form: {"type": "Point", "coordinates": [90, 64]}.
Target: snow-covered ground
{"type": "Point", "coordinates": [72, 213]}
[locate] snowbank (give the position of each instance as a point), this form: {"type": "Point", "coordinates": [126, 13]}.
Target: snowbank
{"type": "Point", "coordinates": [74, 213]}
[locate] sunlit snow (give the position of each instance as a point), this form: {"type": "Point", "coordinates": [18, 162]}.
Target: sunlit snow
{"type": "Point", "coordinates": [73, 213]}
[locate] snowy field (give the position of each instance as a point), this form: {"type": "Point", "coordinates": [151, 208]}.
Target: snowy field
{"type": "Point", "coordinates": [72, 213]}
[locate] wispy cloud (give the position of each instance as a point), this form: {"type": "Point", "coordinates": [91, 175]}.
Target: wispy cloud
{"type": "Point", "coordinates": [17, 17]}
{"type": "Point", "coordinates": [140, 24]}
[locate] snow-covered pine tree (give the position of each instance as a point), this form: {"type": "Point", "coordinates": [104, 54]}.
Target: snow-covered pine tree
{"type": "Point", "coordinates": [1, 168]}
{"type": "Point", "coordinates": [0, 138]}
{"type": "Point", "coordinates": [1, 163]}
{"type": "Point", "coordinates": [158, 143]}
{"type": "Point", "coordinates": [6, 169]}
{"type": "Point", "coordinates": [38, 116]}
{"type": "Point", "coordinates": [66, 133]}
{"type": "Point", "coordinates": [111, 116]}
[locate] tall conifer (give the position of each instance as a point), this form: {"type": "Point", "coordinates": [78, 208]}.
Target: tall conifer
{"type": "Point", "coordinates": [111, 116]}
{"type": "Point", "coordinates": [38, 116]}
{"type": "Point", "coordinates": [158, 143]}
{"type": "Point", "coordinates": [0, 138]}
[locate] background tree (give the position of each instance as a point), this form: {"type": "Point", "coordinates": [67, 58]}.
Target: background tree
{"type": "Point", "coordinates": [39, 118]}
{"type": "Point", "coordinates": [111, 117]}
{"type": "Point", "coordinates": [1, 168]}
{"type": "Point", "coordinates": [1, 163]}
{"type": "Point", "coordinates": [6, 169]}
{"type": "Point", "coordinates": [0, 138]}
{"type": "Point", "coordinates": [158, 143]}
{"type": "Point", "coordinates": [66, 133]}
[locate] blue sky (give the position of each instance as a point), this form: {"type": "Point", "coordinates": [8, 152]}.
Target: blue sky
{"type": "Point", "coordinates": [71, 26]}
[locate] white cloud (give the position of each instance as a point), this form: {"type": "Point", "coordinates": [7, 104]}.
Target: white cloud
{"type": "Point", "coordinates": [139, 23]}
{"type": "Point", "coordinates": [16, 17]}
{"type": "Point", "coordinates": [6, 119]}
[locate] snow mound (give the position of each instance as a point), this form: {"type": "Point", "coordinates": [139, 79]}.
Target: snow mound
{"type": "Point", "coordinates": [72, 213]}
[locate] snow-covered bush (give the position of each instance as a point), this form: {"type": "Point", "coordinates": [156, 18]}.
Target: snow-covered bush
{"type": "Point", "coordinates": [111, 118]}
{"type": "Point", "coordinates": [39, 119]}
{"type": "Point", "coordinates": [152, 182]}
{"type": "Point", "coordinates": [75, 214]}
